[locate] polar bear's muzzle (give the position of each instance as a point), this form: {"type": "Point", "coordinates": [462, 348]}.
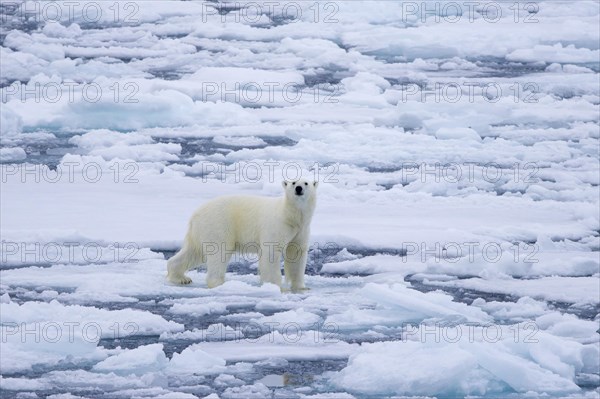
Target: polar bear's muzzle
{"type": "Point", "coordinates": [299, 190]}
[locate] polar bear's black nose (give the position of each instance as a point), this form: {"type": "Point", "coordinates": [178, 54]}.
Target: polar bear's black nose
{"type": "Point", "coordinates": [298, 190]}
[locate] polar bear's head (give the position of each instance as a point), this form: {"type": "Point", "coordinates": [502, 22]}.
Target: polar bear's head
{"type": "Point", "coordinates": [301, 190]}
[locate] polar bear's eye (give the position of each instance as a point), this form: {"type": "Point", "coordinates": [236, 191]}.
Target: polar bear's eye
{"type": "Point", "coordinates": [294, 183]}
{"type": "Point", "coordinates": [306, 184]}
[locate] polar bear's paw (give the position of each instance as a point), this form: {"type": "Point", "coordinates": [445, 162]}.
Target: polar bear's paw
{"type": "Point", "coordinates": [180, 280]}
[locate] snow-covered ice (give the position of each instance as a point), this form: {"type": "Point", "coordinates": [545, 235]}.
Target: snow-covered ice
{"type": "Point", "coordinates": [455, 248]}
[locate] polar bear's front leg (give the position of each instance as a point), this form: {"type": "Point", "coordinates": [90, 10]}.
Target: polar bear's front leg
{"type": "Point", "coordinates": [269, 266]}
{"type": "Point", "coordinates": [294, 264]}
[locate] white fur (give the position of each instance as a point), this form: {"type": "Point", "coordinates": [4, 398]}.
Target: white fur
{"type": "Point", "coordinates": [271, 227]}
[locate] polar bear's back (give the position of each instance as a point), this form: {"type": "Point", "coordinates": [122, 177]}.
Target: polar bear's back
{"type": "Point", "coordinates": [234, 219]}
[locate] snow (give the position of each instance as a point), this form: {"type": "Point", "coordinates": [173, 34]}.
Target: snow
{"type": "Point", "coordinates": [431, 365]}
{"type": "Point", "coordinates": [367, 265]}
{"type": "Point", "coordinates": [555, 53]}
{"type": "Point", "coordinates": [456, 146]}
{"type": "Point", "coordinates": [217, 332]}
{"type": "Point", "coordinates": [292, 345]}
{"type": "Point", "coordinates": [248, 141]}
{"type": "Point", "coordinates": [456, 134]}
{"type": "Point", "coordinates": [193, 360]}
{"type": "Point", "coordinates": [297, 318]}
{"type": "Point", "coordinates": [12, 154]}
{"type": "Point", "coordinates": [102, 322]}
{"type": "Point", "coordinates": [47, 345]}
{"type": "Point", "coordinates": [562, 289]}
{"type": "Point", "coordinates": [137, 361]}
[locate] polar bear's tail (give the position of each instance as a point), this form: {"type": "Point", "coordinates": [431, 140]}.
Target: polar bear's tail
{"type": "Point", "coordinates": [187, 258]}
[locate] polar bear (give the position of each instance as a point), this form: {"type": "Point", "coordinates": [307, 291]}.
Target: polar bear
{"type": "Point", "coordinates": [270, 227]}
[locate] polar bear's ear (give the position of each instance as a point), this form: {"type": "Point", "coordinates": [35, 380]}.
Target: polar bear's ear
{"type": "Point", "coordinates": [284, 184]}
{"type": "Point", "coordinates": [315, 183]}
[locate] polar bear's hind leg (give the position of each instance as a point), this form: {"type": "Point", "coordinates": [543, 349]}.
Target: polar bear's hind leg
{"type": "Point", "coordinates": [216, 266]}
{"type": "Point", "coordinates": [180, 263]}
{"type": "Point", "coordinates": [269, 266]}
